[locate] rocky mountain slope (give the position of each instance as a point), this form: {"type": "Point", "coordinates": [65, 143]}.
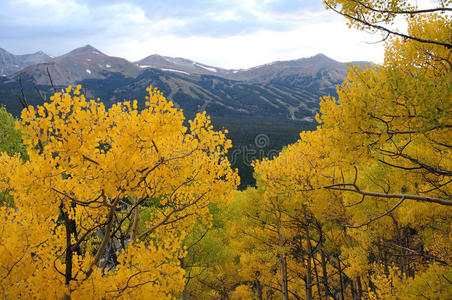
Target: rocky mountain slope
{"type": "Point", "coordinates": [180, 65]}
{"type": "Point", "coordinates": [82, 63]}
{"type": "Point", "coordinates": [10, 63]}
{"type": "Point", "coordinates": [284, 90]}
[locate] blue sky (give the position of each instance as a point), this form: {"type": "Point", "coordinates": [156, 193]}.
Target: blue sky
{"type": "Point", "coordinates": [225, 33]}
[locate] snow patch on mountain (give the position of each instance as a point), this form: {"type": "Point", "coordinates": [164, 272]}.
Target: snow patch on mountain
{"type": "Point", "coordinates": [207, 68]}
{"type": "Point", "coordinates": [172, 70]}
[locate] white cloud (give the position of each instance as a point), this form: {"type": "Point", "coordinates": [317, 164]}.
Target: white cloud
{"type": "Point", "coordinates": [251, 32]}
{"type": "Point", "coordinates": [332, 38]}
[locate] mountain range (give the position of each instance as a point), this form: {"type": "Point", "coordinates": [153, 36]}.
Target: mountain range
{"type": "Point", "coordinates": [287, 90]}
{"type": "Point", "coordinates": [278, 99]}
{"type": "Point", "coordinates": [10, 63]}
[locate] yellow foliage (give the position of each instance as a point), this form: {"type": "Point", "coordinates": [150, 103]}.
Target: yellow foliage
{"type": "Point", "coordinates": [242, 292]}
{"type": "Point", "coordinates": [93, 175]}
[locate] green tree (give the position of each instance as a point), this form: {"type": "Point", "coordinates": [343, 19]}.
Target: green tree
{"type": "Point", "coordinates": [10, 136]}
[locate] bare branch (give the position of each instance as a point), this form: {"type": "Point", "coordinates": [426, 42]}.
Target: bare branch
{"type": "Point", "coordinates": [51, 81]}
{"type": "Point", "coordinates": [23, 99]}
{"type": "Point", "coordinates": [342, 187]}
{"type": "Point", "coordinates": [404, 12]}
{"type": "Point", "coordinates": [379, 27]}
{"type": "Point", "coordinates": [378, 217]}
{"type": "Point", "coordinates": [39, 93]}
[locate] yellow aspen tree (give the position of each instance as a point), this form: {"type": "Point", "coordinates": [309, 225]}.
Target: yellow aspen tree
{"type": "Point", "coordinates": [390, 130]}
{"type": "Point", "coordinates": [381, 16]}
{"type": "Point", "coordinates": [296, 178]}
{"type": "Point", "coordinates": [107, 197]}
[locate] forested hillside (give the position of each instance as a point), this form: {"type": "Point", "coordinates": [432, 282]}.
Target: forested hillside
{"type": "Point", "coordinates": [137, 200]}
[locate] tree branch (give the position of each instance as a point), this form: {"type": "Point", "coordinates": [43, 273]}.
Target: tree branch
{"type": "Point", "coordinates": [379, 27]}
{"type": "Point", "coordinates": [341, 187]}
{"type": "Point", "coordinates": [403, 12]}
{"type": "Point", "coordinates": [378, 217]}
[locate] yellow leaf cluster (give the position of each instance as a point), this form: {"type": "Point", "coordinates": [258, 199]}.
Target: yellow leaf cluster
{"type": "Point", "coordinates": [107, 197]}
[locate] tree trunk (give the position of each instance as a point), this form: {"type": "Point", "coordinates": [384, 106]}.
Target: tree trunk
{"type": "Point", "coordinates": [319, 290]}
{"type": "Point", "coordinates": [340, 277]}
{"type": "Point", "coordinates": [353, 289]}
{"type": "Point", "coordinates": [70, 227]}
{"type": "Point", "coordinates": [325, 276]}
{"type": "Point", "coordinates": [136, 219]}
{"type": "Point", "coordinates": [360, 289]}
{"type": "Point", "coordinates": [282, 259]}
{"type": "Point", "coordinates": [184, 293]}
{"type": "Point", "coordinates": [187, 280]}
{"type": "Point", "coordinates": [257, 289]}
{"type": "Point", "coordinates": [308, 264]}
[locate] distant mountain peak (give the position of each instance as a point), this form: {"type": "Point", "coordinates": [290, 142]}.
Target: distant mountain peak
{"type": "Point", "coordinates": [320, 55]}
{"type": "Point", "coordinates": [10, 63]}
{"type": "Point", "coordinates": [179, 60]}
{"type": "Point", "coordinates": [86, 49]}
{"type": "Point", "coordinates": [3, 50]}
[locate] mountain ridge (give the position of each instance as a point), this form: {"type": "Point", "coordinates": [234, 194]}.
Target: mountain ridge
{"type": "Point", "coordinates": [278, 99]}
{"type": "Point", "coordinates": [286, 90]}
{"type": "Point", "coordinates": [79, 64]}
{"type": "Point", "coordinates": [188, 66]}
{"type": "Point", "coordinates": [10, 63]}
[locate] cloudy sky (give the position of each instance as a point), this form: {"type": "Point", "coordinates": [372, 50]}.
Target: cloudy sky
{"type": "Point", "coordinates": [224, 33]}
